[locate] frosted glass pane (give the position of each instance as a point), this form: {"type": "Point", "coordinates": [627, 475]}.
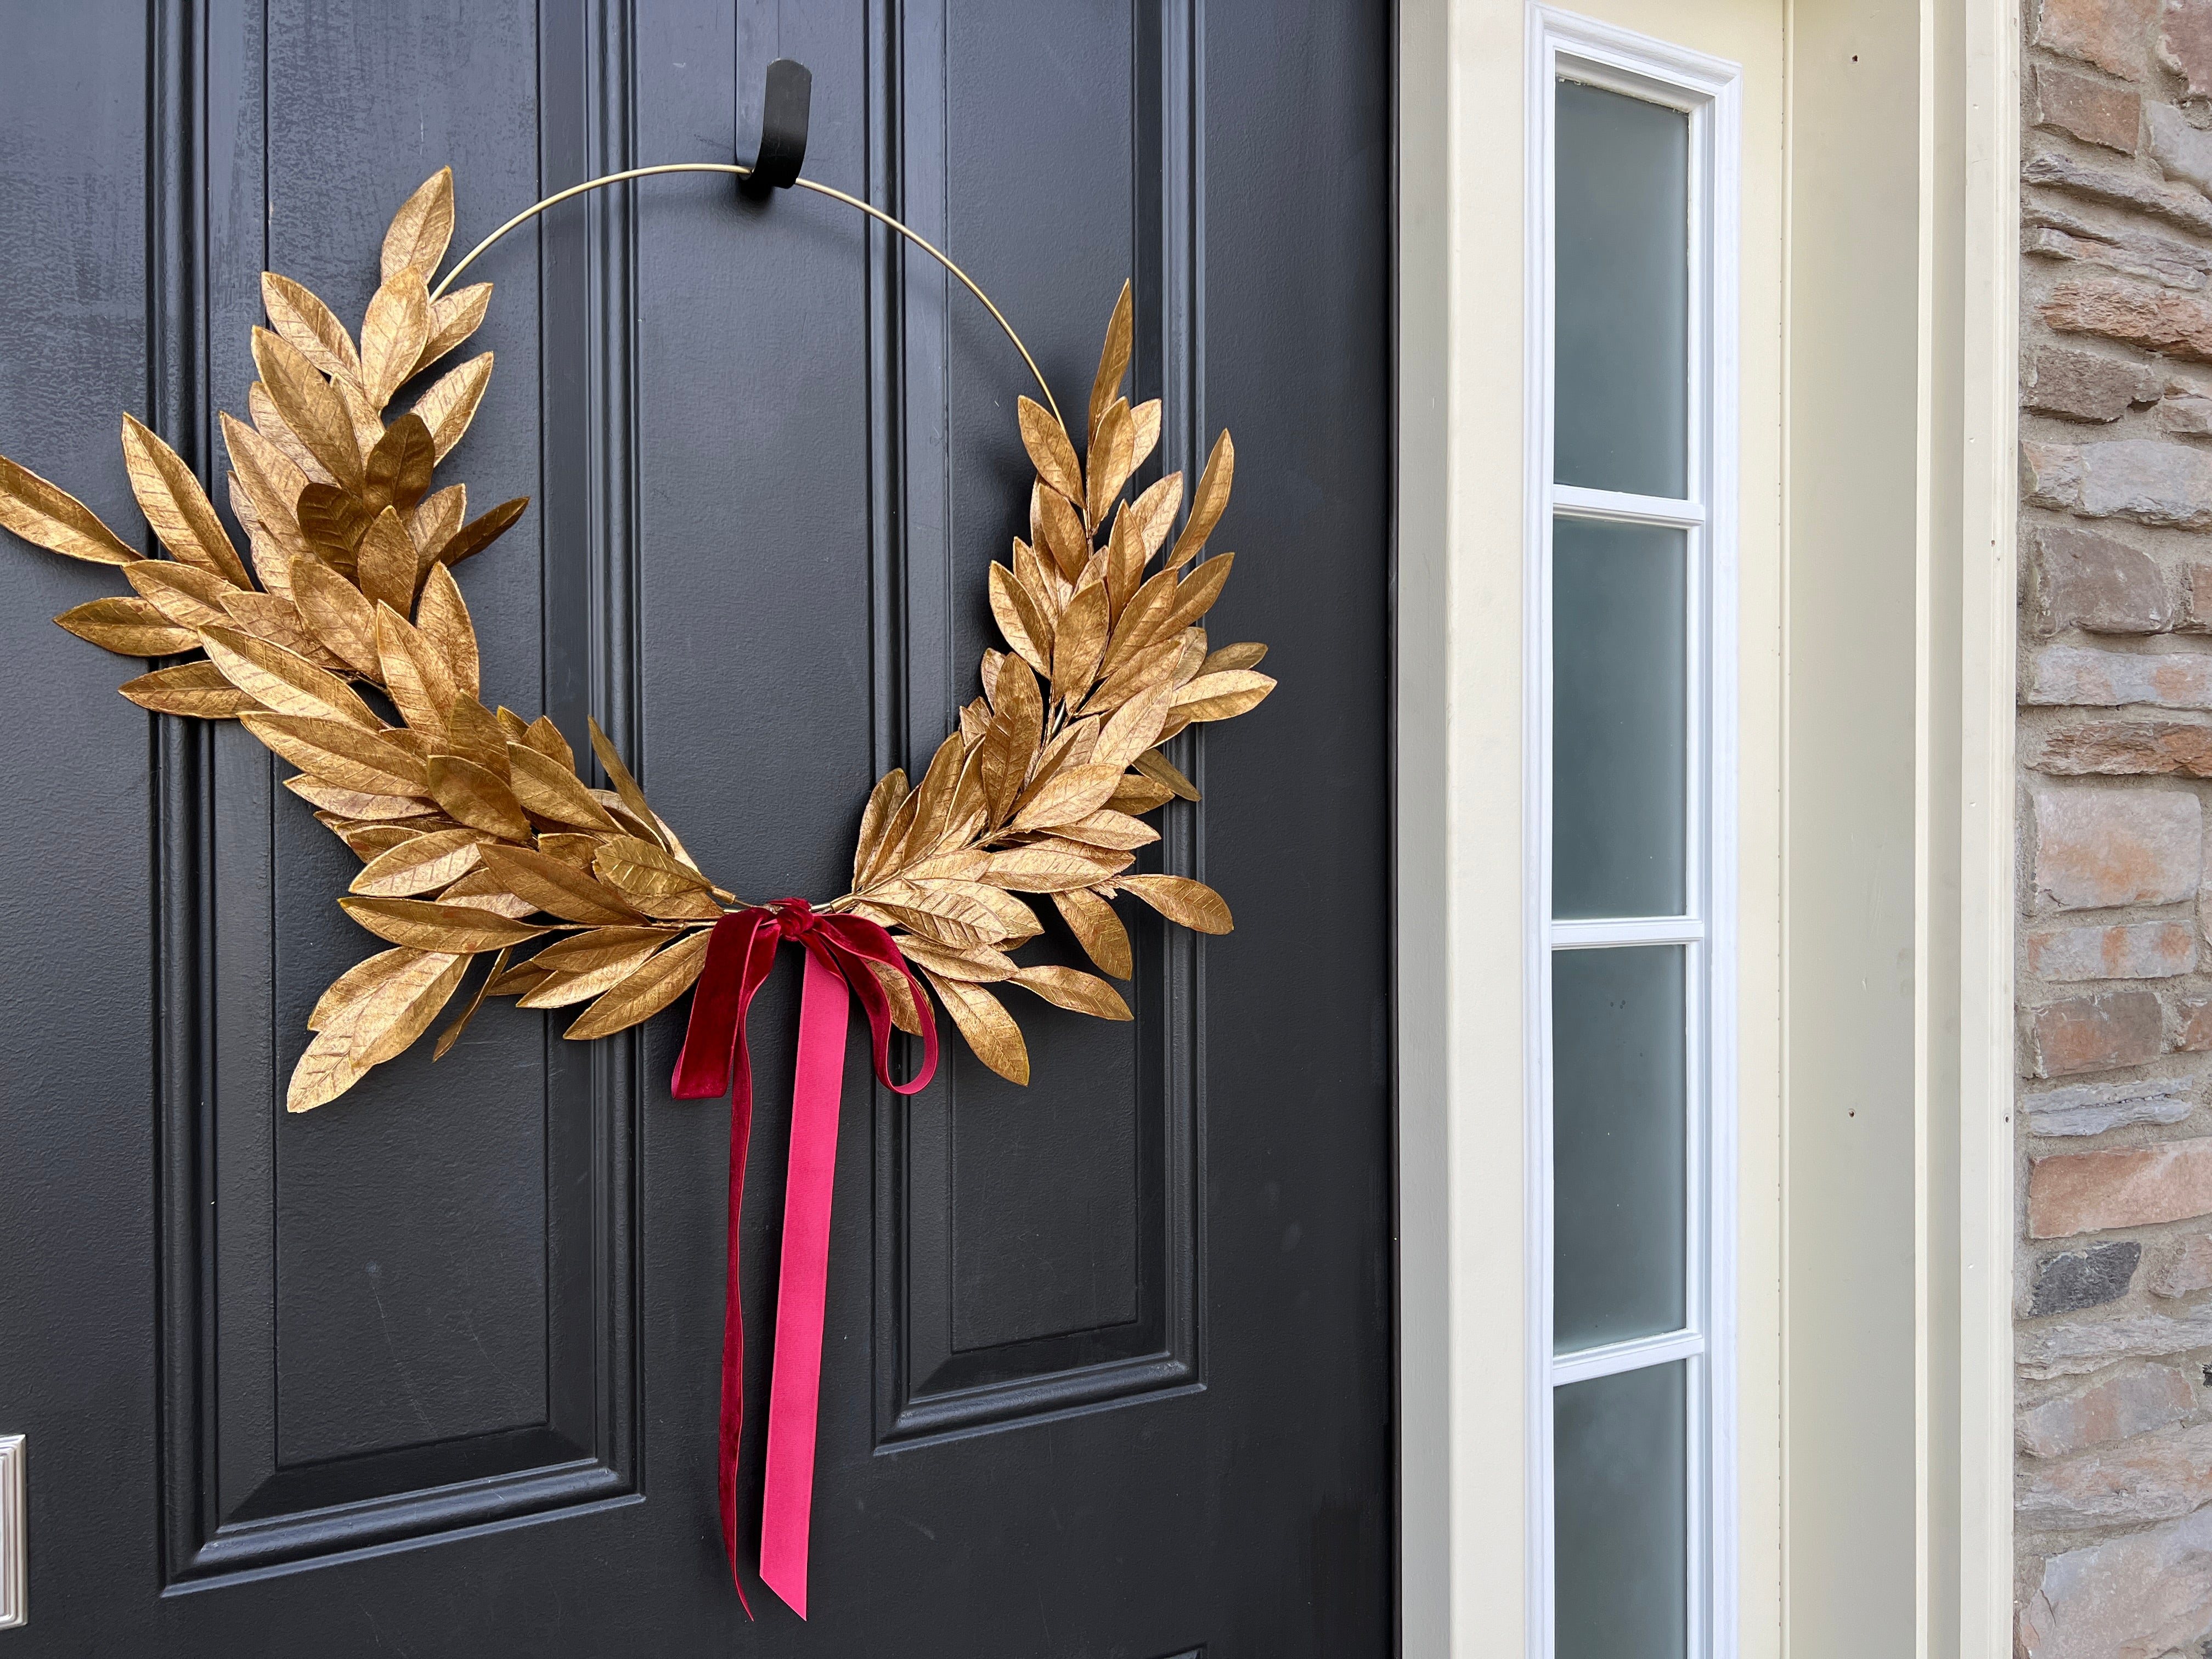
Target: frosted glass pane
{"type": "Point", "coordinates": [1621, 1516]}
{"type": "Point", "coordinates": [1620, 1144]}
{"type": "Point", "coordinates": [1620, 718]}
{"type": "Point", "coordinates": [1620, 316]}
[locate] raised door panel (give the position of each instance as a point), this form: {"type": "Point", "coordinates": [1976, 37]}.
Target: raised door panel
{"type": "Point", "coordinates": [405, 1312]}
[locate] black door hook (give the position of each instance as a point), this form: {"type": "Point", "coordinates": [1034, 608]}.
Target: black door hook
{"type": "Point", "coordinates": [790, 91]}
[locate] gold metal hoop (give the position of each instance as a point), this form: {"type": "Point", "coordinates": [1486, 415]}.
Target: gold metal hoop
{"type": "Point", "coordinates": [738, 171]}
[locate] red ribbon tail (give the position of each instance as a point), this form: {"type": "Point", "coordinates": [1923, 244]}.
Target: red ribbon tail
{"type": "Point", "coordinates": [817, 1089]}
{"type": "Point", "coordinates": [713, 1062]}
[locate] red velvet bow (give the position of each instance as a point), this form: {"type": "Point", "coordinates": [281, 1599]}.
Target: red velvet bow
{"type": "Point", "coordinates": [740, 954]}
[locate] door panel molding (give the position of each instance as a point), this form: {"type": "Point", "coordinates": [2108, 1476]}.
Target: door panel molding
{"type": "Point", "coordinates": [935, 1377]}
{"type": "Point", "coordinates": [232, 1500]}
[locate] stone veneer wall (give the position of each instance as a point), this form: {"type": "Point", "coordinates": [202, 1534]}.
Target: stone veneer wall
{"type": "Point", "coordinates": [2114, 1493]}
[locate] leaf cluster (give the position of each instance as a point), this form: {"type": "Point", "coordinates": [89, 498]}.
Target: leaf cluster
{"type": "Point", "coordinates": [1043, 789]}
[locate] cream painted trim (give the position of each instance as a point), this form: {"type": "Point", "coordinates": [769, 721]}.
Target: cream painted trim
{"type": "Point", "coordinates": [1462, 1314]}
{"type": "Point", "coordinates": [1974, 810]}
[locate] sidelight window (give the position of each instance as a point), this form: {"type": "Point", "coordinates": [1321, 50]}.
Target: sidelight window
{"type": "Point", "coordinates": [1631, 546]}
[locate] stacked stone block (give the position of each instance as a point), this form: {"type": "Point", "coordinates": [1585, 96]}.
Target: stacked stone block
{"type": "Point", "coordinates": [2113, 1495]}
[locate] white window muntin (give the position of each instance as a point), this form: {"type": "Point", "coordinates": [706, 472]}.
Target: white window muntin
{"type": "Point", "coordinates": [1706, 91]}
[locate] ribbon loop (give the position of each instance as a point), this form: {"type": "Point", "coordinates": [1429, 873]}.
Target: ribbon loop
{"type": "Point", "coordinates": [740, 953]}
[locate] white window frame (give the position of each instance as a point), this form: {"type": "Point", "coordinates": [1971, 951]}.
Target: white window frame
{"type": "Point", "coordinates": [1708, 91]}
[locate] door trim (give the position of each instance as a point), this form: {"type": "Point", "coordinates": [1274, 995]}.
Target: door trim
{"type": "Point", "coordinates": [1462, 1314]}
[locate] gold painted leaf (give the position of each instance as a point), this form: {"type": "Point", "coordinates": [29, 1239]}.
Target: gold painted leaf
{"type": "Point", "coordinates": [522, 976]}
{"type": "Point", "coordinates": [618, 775]}
{"type": "Point", "coordinates": [336, 613]}
{"type": "Point", "coordinates": [421, 229]}
{"type": "Point", "coordinates": [478, 797]}
{"type": "Point", "coordinates": [195, 689]}
{"type": "Point", "coordinates": [1218, 696]}
{"type": "Point", "coordinates": [1140, 622]}
{"type": "Point", "coordinates": [1023, 626]}
{"type": "Point", "coordinates": [271, 483]}
{"type": "Point", "coordinates": [1151, 516]}
{"type": "Point", "coordinates": [373, 1028]}
{"type": "Point", "coordinates": [450, 404]}
{"type": "Point", "coordinates": [480, 889]}
{"type": "Point", "coordinates": [988, 1028]}
{"type": "Point", "coordinates": [546, 738]}
{"type": "Point", "coordinates": [333, 521]}
{"type": "Point", "coordinates": [398, 468]}
{"type": "Point", "coordinates": [1125, 563]}
{"type": "Point", "coordinates": [474, 735]}
{"type": "Point", "coordinates": [275, 619]}
{"type": "Point", "coordinates": [186, 595]}
{"type": "Point", "coordinates": [316, 414]}
{"type": "Point", "coordinates": [48, 516]}
{"type": "Point", "coordinates": [310, 326]}
{"type": "Point", "coordinates": [1073, 989]}
{"type": "Point", "coordinates": [359, 804]}
{"type": "Point", "coordinates": [649, 989]}
{"type": "Point", "coordinates": [356, 982]}
{"type": "Point", "coordinates": [1051, 869]}
{"type": "Point", "coordinates": [1070, 794]}
{"type": "Point", "coordinates": [420, 685]}
{"type": "Point", "coordinates": [270, 426]}
{"type": "Point", "coordinates": [1206, 502]}
{"type": "Point", "coordinates": [1097, 929]}
{"type": "Point", "coordinates": [579, 953]}
{"type": "Point", "coordinates": [284, 683]}
{"type": "Point", "coordinates": [1078, 644]}
{"type": "Point", "coordinates": [1247, 655]}
{"type": "Point", "coordinates": [1179, 898]}
{"type": "Point", "coordinates": [568, 848]}
{"type": "Point", "coordinates": [384, 1032]}
{"type": "Point", "coordinates": [1049, 450]}
{"type": "Point", "coordinates": [372, 840]}
{"type": "Point", "coordinates": [1057, 529]}
{"type": "Point", "coordinates": [422, 864]}
{"type": "Point", "coordinates": [1016, 918]}
{"type": "Point", "coordinates": [183, 517]}
{"type": "Point", "coordinates": [1108, 828]}
{"type": "Point", "coordinates": [644, 870]}
{"type": "Point", "coordinates": [1138, 794]}
{"type": "Point", "coordinates": [343, 754]}
{"type": "Point", "coordinates": [366, 418]}
{"type": "Point", "coordinates": [1196, 595]}
{"type": "Point", "coordinates": [943, 918]}
{"type": "Point", "coordinates": [978, 964]}
{"type": "Point", "coordinates": [1156, 766]}
{"type": "Point", "coordinates": [393, 334]}
{"type": "Point", "coordinates": [558, 888]}
{"type": "Point", "coordinates": [569, 986]}
{"type": "Point", "coordinates": [442, 617]}
{"type": "Point", "coordinates": [1133, 728]}
{"type": "Point", "coordinates": [481, 532]}
{"type": "Point", "coordinates": [452, 1034]}
{"type": "Point", "coordinates": [453, 320]}
{"type": "Point", "coordinates": [900, 995]}
{"type": "Point", "coordinates": [385, 565]}
{"type": "Point", "coordinates": [433, 521]}
{"type": "Point", "coordinates": [550, 790]}
{"type": "Point", "coordinates": [1145, 424]}
{"type": "Point", "coordinates": [428, 926]}
{"type": "Point", "coordinates": [1112, 455]}
{"type": "Point", "coordinates": [128, 627]}
{"type": "Point", "coordinates": [1113, 359]}
{"type": "Point", "coordinates": [883, 800]}
{"type": "Point", "coordinates": [356, 803]}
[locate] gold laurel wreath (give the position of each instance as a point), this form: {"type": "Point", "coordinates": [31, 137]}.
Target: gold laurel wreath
{"type": "Point", "coordinates": [477, 833]}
